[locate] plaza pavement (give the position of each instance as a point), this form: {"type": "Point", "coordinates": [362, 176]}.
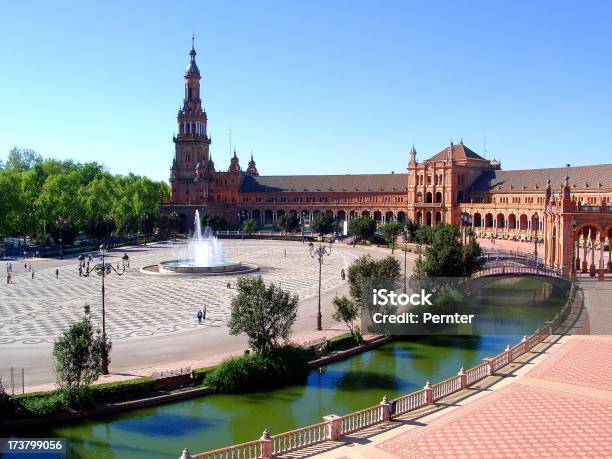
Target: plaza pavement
{"type": "Point", "coordinates": [557, 403]}
{"type": "Point", "coordinates": [151, 319]}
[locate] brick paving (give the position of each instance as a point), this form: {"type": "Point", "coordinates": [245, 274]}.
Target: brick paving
{"type": "Point", "coordinates": [35, 311]}
{"type": "Point", "coordinates": [558, 405]}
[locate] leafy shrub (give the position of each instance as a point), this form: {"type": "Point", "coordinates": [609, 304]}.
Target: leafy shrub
{"type": "Point", "coordinates": [259, 371]}
{"type": "Point", "coordinates": [6, 404]}
{"type": "Point", "coordinates": [33, 407]}
{"type": "Point", "coordinates": [198, 375]}
{"type": "Point", "coordinates": [122, 389]}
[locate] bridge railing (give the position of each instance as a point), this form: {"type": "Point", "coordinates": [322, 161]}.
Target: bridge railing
{"type": "Point", "coordinates": [334, 427]}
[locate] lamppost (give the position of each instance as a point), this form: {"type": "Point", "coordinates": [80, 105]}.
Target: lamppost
{"type": "Point", "coordinates": [304, 218]}
{"type": "Point", "coordinates": [535, 240]}
{"type": "Point", "coordinates": [103, 269]}
{"type": "Point", "coordinates": [574, 244]}
{"type": "Point", "coordinates": [241, 217]}
{"type": "Point", "coordinates": [406, 240]}
{"type": "Point", "coordinates": [61, 222]}
{"type": "Point", "coordinates": [173, 221]}
{"type": "Point", "coordinates": [319, 253]}
{"type": "Point", "coordinates": [466, 221]}
{"type": "Point", "coordinates": [145, 218]}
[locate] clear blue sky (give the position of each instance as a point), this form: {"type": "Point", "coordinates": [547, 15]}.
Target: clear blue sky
{"type": "Point", "coordinates": [310, 87]}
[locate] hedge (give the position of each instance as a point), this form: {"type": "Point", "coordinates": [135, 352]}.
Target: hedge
{"type": "Point", "coordinates": [199, 374]}
{"type": "Point", "coordinates": [122, 389]}
{"type": "Point", "coordinates": [259, 371]}
{"type": "Point", "coordinates": [40, 404]}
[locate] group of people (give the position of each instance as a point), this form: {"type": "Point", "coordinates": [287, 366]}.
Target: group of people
{"type": "Point", "coordinates": [27, 267]}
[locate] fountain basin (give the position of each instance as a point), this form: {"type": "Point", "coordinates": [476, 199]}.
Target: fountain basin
{"type": "Point", "coordinates": [189, 267]}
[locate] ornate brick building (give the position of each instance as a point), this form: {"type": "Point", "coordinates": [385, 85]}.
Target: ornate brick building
{"type": "Point", "coordinates": [570, 208]}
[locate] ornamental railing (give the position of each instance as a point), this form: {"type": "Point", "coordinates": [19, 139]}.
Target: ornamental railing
{"type": "Point", "coordinates": [334, 427]}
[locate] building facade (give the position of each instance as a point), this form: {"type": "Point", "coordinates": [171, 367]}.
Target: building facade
{"type": "Point", "coordinates": [568, 208]}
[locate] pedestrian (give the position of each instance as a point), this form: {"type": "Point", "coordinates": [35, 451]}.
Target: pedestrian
{"type": "Point", "coordinates": [342, 274]}
{"type": "Point", "coordinates": [25, 267]}
{"type": "Point", "coordinates": [199, 314]}
{"type": "Point", "coordinates": [32, 274]}
{"type": "Point", "coordinates": [204, 313]}
{"type": "Point", "coordinates": [229, 285]}
{"type": "Point", "coordinates": [8, 278]}
{"type": "Point", "coordinates": [30, 267]}
{"type": "Point", "coordinates": [285, 253]}
{"type": "Point", "coordinates": [57, 273]}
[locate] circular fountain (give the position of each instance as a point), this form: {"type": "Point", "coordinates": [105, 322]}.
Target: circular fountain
{"type": "Point", "coordinates": [203, 256]}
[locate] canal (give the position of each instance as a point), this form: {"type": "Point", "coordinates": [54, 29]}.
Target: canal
{"type": "Point", "coordinates": [360, 381]}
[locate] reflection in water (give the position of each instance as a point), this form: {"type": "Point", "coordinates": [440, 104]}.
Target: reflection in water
{"type": "Point", "coordinates": [358, 382]}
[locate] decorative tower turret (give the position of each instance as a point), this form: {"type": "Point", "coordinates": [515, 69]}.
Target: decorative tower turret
{"type": "Point", "coordinates": [252, 169]}
{"type": "Point", "coordinates": [189, 176]}
{"type": "Point", "coordinates": [234, 164]}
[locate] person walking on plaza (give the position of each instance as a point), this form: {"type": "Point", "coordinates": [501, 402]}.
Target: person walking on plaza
{"type": "Point", "coordinates": [342, 274]}
{"type": "Point", "coordinates": [199, 314]}
{"type": "Point", "coordinates": [204, 313]}
{"type": "Point", "coordinates": [57, 273]}
{"type": "Point", "coordinates": [32, 274]}
{"type": "Point", "coordinates": [9, 279]}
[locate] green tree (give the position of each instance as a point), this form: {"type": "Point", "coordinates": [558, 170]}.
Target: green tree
{"type": "Point", "coordinates": [289, 223]}
{"type": "Point", "coordinates": [391, 232]}
{"type": "Point", "coordinates": [363, 228]}
{"type": "Point", "coordinates": [249, 226]}
{"type": "Point", "coordinates": [265, 314]}
{"type": "Point", "coordinates": [323, 223]}
{"type": "Point", "coordinates": [79, 354]}
{"type": "Point", "coordinates": [424, 234]}
{"type": "Point", "coordinates": [346, 311]}
{"type": "Point", "coordinates": [446, 256]}
{"type": "Point", "coordinates": [472, 255]}
{"type": "Point", "coordinates": [22, 159]}
{"type": "Point", "coordinates": [366, 270]}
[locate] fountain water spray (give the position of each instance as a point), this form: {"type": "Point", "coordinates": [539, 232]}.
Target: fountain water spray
{"type": "Point", "coordinates": [204, 248]}
{"type": "Point", "coordinates": [203, 256]}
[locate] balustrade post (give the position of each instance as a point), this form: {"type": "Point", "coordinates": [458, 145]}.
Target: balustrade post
{"type": "Point", "coordinates": [266, 445]}
{"type": "Point", "coordinates": [508, 352]}
{"type": "Point", "coordinates": [333, 420]}
{"type": "Point", "coordinates": [524, 341]}
{"type": "Point", "coordinates": [385, 406]}
{"type": "Point", "coordinates": [463, 378]}
{"type": "Point", "coordinates": [428, 392]}
{"type": "Point", "coordinates": [489, 362]}
{"type": "Point", "coordinates": [186, 454]}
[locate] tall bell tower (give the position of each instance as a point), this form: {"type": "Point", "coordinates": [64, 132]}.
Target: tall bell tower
{"type": "Point", "coordinates": [191, 168]}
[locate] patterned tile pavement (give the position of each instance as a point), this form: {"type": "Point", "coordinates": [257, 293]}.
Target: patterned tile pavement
{"type": "Point", "coordinates": [516, 421]}
{"type": "Point", "coordinates": [523, 420]}
{"type": "Point", "coordinates": [34, 311]}
{"type": "Point", "coordinates": [584, 361]}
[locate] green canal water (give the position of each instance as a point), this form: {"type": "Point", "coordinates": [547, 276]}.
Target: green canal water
{"type": "Point", "coordinates": [393, 369]}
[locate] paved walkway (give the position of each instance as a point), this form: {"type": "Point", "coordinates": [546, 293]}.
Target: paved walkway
{"type": "Point", "coordinates": [558, 404]}
{"type": "Point", "coordinates": [151, 319]}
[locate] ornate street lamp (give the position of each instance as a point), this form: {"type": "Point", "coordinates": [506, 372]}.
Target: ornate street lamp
{"type": "Point", "coordinates": [172, 223]}
{"type": "Point", "coordinates": [145, 218]}
{"type": "Point", "coordinates": [319, 253]}
{"type": "Point", "coordinates": [61, 223]}
{"type": "Point", "coordinates": [574, 244]}
{"type": "Point", "coordinates": [103, 269]}
{"type": "Point", "coordinates": [406, 241]}
{"type": "Point", "coordinates": [535, 243]}
{"type": "Point", "coordinates": [466, 221]}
